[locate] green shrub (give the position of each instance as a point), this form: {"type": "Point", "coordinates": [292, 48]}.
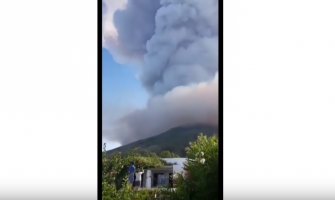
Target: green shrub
{"type": "Point", "coordinates": [109, 192]}
{"type": "Point", "coordinates": [167, 154]}
{"type": "Point", "coordinates": [115, 175]}
{"type": "Point", "coordinates": [201, 181]}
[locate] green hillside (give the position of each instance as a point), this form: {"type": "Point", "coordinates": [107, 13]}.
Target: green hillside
{"type": "Point", "coordinates": [174, 140]}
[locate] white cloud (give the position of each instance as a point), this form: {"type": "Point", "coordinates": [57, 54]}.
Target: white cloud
{"type": "Point", "coordinates": [109, 30]}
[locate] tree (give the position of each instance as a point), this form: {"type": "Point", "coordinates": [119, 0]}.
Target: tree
{"type": "Point", "coordinates": [167, 154]}
{"type": "Point", "coordinates": [201, 181]}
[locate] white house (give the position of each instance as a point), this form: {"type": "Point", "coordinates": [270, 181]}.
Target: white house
{"type": "Point", "coordinates": [163, 176]}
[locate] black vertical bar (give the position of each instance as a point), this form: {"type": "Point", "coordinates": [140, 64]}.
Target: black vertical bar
{"type": "Point", "coordinates": [220, 92]}
{"type": "Point", "coordinates": [99, 114]}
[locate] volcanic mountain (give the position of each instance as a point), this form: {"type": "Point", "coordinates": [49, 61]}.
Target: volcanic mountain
{"type": "Point", "coordinates": [174, 140]}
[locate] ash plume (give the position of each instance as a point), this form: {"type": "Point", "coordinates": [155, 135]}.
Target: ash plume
{"type": "Point", "coordinates": [175, 45]}
{"type": "Point", "coordinates": [184, 105]}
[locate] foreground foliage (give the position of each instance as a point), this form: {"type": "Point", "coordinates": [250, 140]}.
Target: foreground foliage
{"type": "Point", "coordinates": [115, 166]}
{"type": "Point", "coordinates": [201, 180]}
{"type": "Point", "coordinates": [199, 183]}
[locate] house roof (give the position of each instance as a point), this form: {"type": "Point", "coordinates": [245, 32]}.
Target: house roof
{"type": "Point", "coordinates": [177, 163]}
{"type": "Point", "coordinates": [163, 168]}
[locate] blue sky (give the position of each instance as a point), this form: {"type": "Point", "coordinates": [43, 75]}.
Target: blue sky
{"type": "Point", "coordinates": [120, 85]}
{"type": "Point", "coordinates": [122, 91]}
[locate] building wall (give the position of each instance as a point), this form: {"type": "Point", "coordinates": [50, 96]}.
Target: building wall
{"type": "Point", "coordinates": [177, 167]}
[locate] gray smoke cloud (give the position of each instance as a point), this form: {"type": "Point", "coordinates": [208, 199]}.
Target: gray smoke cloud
{"type": "Point", "coordinates": [127, 26]}
{"type": "Point", "coordinates": [175, 45]}
{"type": "Point", "coordinates": [183, 49]}
{"type": "Point", "coordinates": [184, 105]}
